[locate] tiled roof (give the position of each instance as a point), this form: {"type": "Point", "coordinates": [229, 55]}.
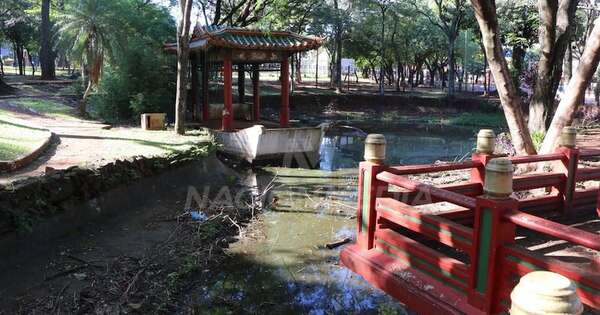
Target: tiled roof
{"type": "Point", "coordinates": [240, 38]}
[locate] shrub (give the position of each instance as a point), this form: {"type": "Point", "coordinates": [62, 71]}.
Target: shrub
{"type": "Point", "coordinates": [140, 75]}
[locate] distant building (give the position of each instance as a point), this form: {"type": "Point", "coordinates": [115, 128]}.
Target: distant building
{"type": "Point", "coordinates": [5, 51]}
{"type": "Point", "coordinates": [308, 63]}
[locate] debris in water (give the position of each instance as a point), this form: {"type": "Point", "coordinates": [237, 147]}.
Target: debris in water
{"type": "Point", "coordinates": [80, 276]}
{"type": "Point", "coordinates": [338, 243]}
{"type": "Point", "coordinates": [198, 216]}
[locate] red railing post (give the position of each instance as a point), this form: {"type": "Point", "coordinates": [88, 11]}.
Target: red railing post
{"type": "Point", "coordinates": [490, 233]}
{"type": "Point", "coordinates": [568, 166]}
{"type": "Point", "coordinates": [598, 205]}
{"type": "Point", "coordinates": [369, 188]}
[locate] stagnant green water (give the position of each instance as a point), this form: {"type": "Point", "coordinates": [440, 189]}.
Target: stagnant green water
{"type": "Point", "coordinates": [283, 266]}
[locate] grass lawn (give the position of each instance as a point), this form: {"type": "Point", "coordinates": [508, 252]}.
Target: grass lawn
{"type": "Point", "coordinates": [17, 138]}
{"type": "Point", "coordinates": [46, 107]}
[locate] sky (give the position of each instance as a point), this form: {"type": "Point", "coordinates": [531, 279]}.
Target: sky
{"type": "Point", "coordinates": [173, 6]}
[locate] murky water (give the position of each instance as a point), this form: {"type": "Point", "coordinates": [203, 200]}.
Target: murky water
{"type": "Point", "coordinates": [285, 267]}
{"type": "Point", "coordinates": [406, 144]}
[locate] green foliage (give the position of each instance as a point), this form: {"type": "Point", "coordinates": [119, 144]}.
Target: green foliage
{"type": "Point", "coordinates": [537, 137]}
{"type": "Point", "coordinates": [140, 76]}
{"type": "Point", "coordinates": [479, 119]}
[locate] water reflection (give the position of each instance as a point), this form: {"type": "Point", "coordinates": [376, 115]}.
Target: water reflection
{"type": "Point", "coordinates": [407, 144]}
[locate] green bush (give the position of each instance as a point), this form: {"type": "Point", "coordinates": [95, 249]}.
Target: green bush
{"type": "Point", "coordinates": [537, 137]}
{"type": "Point", "coordinates": [140, 75]}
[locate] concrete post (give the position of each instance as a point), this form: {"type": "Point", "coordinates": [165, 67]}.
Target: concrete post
{"type": "Point", "coordinates": [568, 137]}
{"type": "Point", "coordinates": [375, 148]}
{"type": "Point", "coordinates": [486, 140]}
{"type": "Point", "coordinates": [498, 178]}
{"type": "Point", "coordinates": [544, 292]}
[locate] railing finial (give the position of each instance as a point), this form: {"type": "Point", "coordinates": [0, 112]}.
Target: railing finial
{"type": "Point", "coordinates": [375, 148]}
{"type": "Point", "coordinates": [498, 178]}
{"type": "Point", "coordinates": [544, 292]}
{"type": "Point", "coordinates": [568, 136]}
{"type": "Point", "coordinates": [486, 140]}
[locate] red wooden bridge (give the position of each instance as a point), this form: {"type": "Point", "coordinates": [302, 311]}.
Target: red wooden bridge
{"type": "Point", "coordinates": [467, 259]}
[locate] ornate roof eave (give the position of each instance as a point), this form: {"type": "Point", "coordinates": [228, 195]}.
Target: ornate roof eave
{"type": "Point", "coordinates": [206, 38]}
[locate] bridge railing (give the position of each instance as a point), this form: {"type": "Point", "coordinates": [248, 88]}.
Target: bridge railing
{"type": "Point", "coordinates": [469, 243]}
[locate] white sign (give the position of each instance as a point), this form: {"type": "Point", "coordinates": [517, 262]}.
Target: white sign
{"type": "Point", "coordinates": [348, 64]}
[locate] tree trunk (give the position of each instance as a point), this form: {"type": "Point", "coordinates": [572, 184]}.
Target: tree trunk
{"type": "Point", "coordinates": [451, 60]}
{"type": "Point", "coordinates": [338, 50]}
{"type": "Point", "coordinates": [597, 93]}
{"type": "Point", "coordinates": [399, 70]}
{"type": "Point", "coordinates": [83, 103]}
{"type": "Point", "coordinates": [518, 58]}
{"type": "Point", "coordinates": [20, 60]}
{"type": "Point", "coordinates": [47, 55]}
{"type": "Point", "coordinates": [485, 12]}
{"type": "Point", "coordinates": [568, 64]}
{"type": "Point", "coordinates": [298, 71]}
{"type": "Point", "coordinates": [442, 77]}
{"type": "Point", "coordinates": [431, 76]}
{"type": "Point", "coordinates": [30, 58]}
{"type": "Point", "coordinates": [183, 52]}
{"type": "Point", "coordinates": [575, 91]}
{"type": "Point", "coordinates": [556, 20]}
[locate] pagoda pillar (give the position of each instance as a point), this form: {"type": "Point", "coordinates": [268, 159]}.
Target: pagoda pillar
{"type": "Point", "coordinates": [205, 105]}
{"type": "Point", "coordinates": [194, 85]}
{"type": "Point", "coordinates": [241, 84]}
{"type": "Point", "coordinates": [227, 122]}
{"type": "Point", "coordinates": [255, 92]}
{"type": "Point", "coordinates": [284, 113]}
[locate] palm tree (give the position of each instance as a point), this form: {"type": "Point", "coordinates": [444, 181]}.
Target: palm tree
{"type": "Point", "coordinates": [91, 27]}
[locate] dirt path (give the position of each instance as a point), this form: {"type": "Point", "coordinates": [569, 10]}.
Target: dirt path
{"type": "Point", "coordinates": [84, 142]}
{"type": "Point", "coordinates": [589, 139]}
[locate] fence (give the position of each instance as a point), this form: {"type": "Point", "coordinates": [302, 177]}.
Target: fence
{"type": "Point", "coordinates": [466, 259]}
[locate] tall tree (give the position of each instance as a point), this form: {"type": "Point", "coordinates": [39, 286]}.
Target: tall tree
{"type": "Point", "coordinates": [588, 63]}
{"type": "Point", "coordinates": [383, 8]}
{"type": "Point", "coordinates": [485, 12]}
{"type": "Point", "coordinates": [556, 23]}
{"type": "Point", "coordinates": [183, 56]}
{"type": "Point", "coordinates": [47, 55]}
{"type": "Point", "coordinates": [239, 13]}
{"type": "Point", "coordinates": [338, 27]}
{"type": "Point", "coordinates": [93, 27]}
{"type": "Point", "coordinates": [519, 22]}
{"type": "Point", "coordinates": [448, 15]}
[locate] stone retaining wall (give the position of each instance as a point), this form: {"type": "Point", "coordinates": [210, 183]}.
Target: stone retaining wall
{"type": "Point", "coordinates": [26, 202]}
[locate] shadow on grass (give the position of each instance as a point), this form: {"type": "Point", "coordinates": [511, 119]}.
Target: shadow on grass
{"type": "Point", "coordinates": [2, 121]}
{"type": "Point", "coordinates": [161, 145]}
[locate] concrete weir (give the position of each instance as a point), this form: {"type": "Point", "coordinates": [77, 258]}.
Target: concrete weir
{"type": "Point", "coordinates": [288, 145]}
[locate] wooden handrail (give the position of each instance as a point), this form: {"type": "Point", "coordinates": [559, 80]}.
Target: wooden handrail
{"type": "Point", "coordinates": [536, 158]}
{"type": "Point", "coordinates": [554, 229]}
{"type": "Point", "coordinates": [589, 153]}
{"type": "Point", "coordinates": [430, 168]}
{"type": "Point", "coordinates": [537, 180]}
{"type": "Point", "coordinates": [584, 174]}
{"type": "Point", "coordinates": [442, 194]}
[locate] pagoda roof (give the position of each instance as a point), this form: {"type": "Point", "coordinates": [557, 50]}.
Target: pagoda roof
{"type": "Point", "coordinates": [207, 37]}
